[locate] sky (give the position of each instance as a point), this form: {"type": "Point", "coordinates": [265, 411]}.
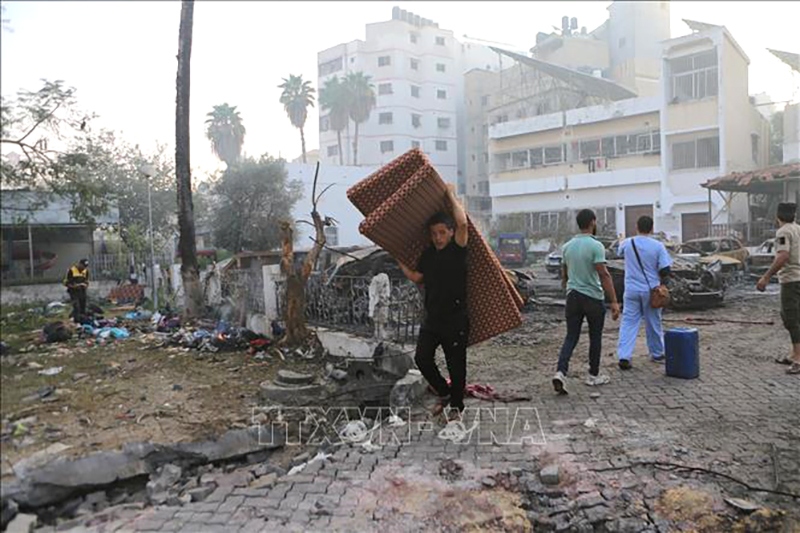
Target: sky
{"type": "Point", "coordinates": [121, 55]}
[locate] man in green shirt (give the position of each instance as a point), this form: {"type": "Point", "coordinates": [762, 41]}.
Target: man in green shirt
{"type": "Point", "coordinates": [585, 278]}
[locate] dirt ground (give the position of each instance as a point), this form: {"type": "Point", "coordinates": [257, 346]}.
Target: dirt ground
{"type": "Point", "coordinates": [126, 391]}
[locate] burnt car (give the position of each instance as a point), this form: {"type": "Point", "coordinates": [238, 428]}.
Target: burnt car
{"type": "Point", "coordinates": [727, 250]}
{"type": "Point", "coordinates": [761, 258]}
{"type": "Point", "coordinates": [693, 285]}
{"type": "Point", "coordinates": [523, 282]}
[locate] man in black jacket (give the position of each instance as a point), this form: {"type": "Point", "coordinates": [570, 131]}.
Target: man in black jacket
{"type": "Point", "coordinates": [442, 270]}
{"type": "Point", "coordinates": [77, 282]}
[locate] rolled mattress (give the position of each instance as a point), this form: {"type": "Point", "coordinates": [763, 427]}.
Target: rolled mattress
{"type": "Point", "coordinates": [397, 202]}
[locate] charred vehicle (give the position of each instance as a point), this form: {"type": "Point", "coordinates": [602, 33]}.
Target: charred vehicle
{"type": "Point", "coordinates": [727, 250]}
{"type": "Point", "coordinates": [693, 285]}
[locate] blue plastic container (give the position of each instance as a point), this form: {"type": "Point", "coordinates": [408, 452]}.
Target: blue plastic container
{"type": "Point", "coordinates": [682, 346]}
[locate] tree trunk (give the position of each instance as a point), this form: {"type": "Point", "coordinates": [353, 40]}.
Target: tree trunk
{"type": "Point", "coordinates": [355, 147]}
{"type": "Point", "coordinates": [296, 331]}
{"type": "Point", "coordinates": [339, 141]}
{"type": "Point", "coordinates": [303, 145]}
{"type": "Point", "coordinates": [192, 293]}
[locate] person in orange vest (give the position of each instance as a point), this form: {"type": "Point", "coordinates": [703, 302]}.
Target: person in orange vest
{"type": "Point", "coordinates": [77, 282]}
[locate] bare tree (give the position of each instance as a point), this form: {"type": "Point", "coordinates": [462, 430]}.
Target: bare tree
{"type": "Point", "coordinates": [190, 273]}
{"type": "Point", "coordinates": [296, 278]}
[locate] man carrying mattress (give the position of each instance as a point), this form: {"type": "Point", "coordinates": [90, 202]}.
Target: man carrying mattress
{"type": "Point", "coordinates": [442, 270]}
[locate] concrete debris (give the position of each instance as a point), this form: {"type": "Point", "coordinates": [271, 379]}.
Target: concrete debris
{"type": "Point", "coordinates": [52, 371]}
{"type": "Point", "coordinates": [165, 480]}
{"type": "Point", "coordinates": [409, 390]}
{"type": "Point", "coordinates": [550, 475]}
{"type": "Point", "coordinates": [288, 377]}
{"type": "Point", "coordinates": [22, 523]}
{"type": "Point", "coordinates": [201, 493]}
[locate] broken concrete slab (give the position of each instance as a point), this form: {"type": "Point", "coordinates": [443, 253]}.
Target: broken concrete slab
{"type": "Point", "coordinates": [58, 479]}
{"type": "Point", "coordinates": [22, 523]}
{"type": "Point", "coordinates": [393, 359]}
{"type": "Point", "coordinates": [270, 392]}
{"type": "Point", "coordinates": [201, 493]}
{"type": "Point", "coordinates": [409, 390]}
{"type": "Point", "coordinates": [550, 475]}
{"type": "Point", "coordinates": [162, 481]}
{"type": "Point", "coordinates": [288, 377]}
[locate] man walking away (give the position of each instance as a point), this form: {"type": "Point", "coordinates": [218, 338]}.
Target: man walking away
{"type": "Point", "coordinates": [647, 264]}
{"type": "Point", "coordinates": [77, 282]}
{"type": "Point", "coordinates": [585, 278]}
{"type": "Point", "coordinates": [787, 266]}
{"type": "Point", "coordinates": [442, 270]}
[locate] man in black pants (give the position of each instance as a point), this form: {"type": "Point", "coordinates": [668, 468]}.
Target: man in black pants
{"type": "Point", "coordinates": [586, 278]}
{"type": "Point", "coordinates": [77, 281]}
{"type": "Point", "coordinates": [442, 270]}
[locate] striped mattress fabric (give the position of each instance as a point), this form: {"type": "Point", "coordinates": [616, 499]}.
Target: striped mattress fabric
{"type": "Point", "coordinates": [397, 202]}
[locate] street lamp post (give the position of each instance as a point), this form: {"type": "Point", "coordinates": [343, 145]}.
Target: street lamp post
{"type": "Point", "coordinates": [149, 171]}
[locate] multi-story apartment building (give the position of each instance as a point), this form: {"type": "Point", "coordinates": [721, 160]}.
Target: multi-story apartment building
{"type": "Point", "coordinates": [642, 155]}
{"type": "Point", "coordinates": [568, 69]}
{"type": "Point", "coordinates": [417, 69]}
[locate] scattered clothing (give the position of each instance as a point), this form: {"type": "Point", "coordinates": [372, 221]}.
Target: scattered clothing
{"type": "Point", "coordinates": [488, 393]}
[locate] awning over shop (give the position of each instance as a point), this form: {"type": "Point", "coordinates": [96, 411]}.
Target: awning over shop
{"type": "Point", "coordinates": [770, 180]}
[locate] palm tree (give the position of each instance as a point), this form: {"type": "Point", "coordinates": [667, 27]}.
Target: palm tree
{"type": "Point", "coordinates": [226, 132]}
{"type": "Point", "coordinates": [335, 97]}
{"type": "Point", "coordinates": [296, 98]}
{"type": "Point", "coordinates": [190, 272]}
{"type": "Point", "coordinates": [362, 102]}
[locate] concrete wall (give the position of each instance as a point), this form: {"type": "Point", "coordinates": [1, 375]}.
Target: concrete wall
{"type": "Point", "coordinates": [49, 292]}
{"type": "Point", "coordinates": [334, 203]}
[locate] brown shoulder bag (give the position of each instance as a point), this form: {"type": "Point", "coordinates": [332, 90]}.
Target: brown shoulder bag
{"type": "Point", "coordinates": [659, 297]}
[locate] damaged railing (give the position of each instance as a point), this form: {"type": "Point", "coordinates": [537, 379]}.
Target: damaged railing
{"type": "Point", "coordinates": [342, 302]}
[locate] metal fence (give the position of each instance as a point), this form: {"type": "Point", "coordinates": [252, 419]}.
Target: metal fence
{"type": "Point", "coordinates": [342, 303]}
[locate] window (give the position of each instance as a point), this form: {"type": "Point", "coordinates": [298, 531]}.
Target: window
{"type": "Point", "coordinates": [502, 162]}
{"type": "Point", "coordinates": [329, 67]}
{"type": "Point", "coordinates": [413, 37]}
{"type": "Point", "coordinates": [414, 64]}
{"type": "Point", "coordinates": [683, 155]}
{"type": "Point", "coordinates": [621, 144]}
{"type": "Point", "coordinates": [657, 142]}
{"type": "Point", "coordinates": [384, 61]}
{"type": "Point", "coordinates": [384, 118]}
{"type": "Point", "coordinates": [440, 67]}
{"type": "Point", "coordinates": [441, 94]}
{"type": "Point", "coordinates": [416, 120]}
{"type": "Point", "coordinates": [333, 150]}
{"type": "Point", "coordinates": [553, 155]}
{"type": "Point", "coordinates": [708, 152]}
{"type": "Point", "coordinates": [415, 144]}
{"type": "Point", "coordinates": [694, 77]}
{"type": "Point", "coordinates": [441, 146]}
{"type": "Point", "coordinates": [415, 91]}
{"type": "Point", "coordinates": [644, 143]}
{"type": "Point", "coordinates": [589, 149]}
{"type": "Point", "coordinates": [698, 153]}
{"type": "Point", "coordinates": [332, 235]}
{"type": "Point", "coordinates": [483, 187]}
{"type": "Point", "coordinates": [473, 158]}
{"type": "Point", "coordinates": [754, 139]}
{"type": "Point", "coordinates": [519, 159]}
{"type": "Point", "coordinates": [443, 122]}
{"type": "Point", "coordinates": [384, 88]}
{"type": "Point", "coordinates": [485, 100]}
{"type": "Point", "coordinates": [387, 146]}
{"type": "Point", "coordinates": [537, 157]}
{"type": "Point", "coordinates": [607, 147]}
{"type": "Point", "coordinates": [324, 123]}
{"type": "Point", "coordinates": [440, 41]}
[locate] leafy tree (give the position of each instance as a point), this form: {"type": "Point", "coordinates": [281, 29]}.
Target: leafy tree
{"type": "Point", "coordinates": [297, 97]}
{"type": "Point", "coordinates": [335, 98]}
{"type": "Point", "coordinates": [251, 199]}
{"type": "Point", "coordinates": [362, 101]}
{"type": "Point", "coordinates": [226, 132]}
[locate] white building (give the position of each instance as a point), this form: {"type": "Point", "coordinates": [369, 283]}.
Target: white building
{"type": "Point", "coordinates": [647, 155]}
{"type": "Point", "coordinates": [334, 203]}
{"type": "Point", "coordinates": [417, 71]}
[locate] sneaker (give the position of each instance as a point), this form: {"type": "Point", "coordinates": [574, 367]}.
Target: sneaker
{"type": "Point", "coordinates": [660, 359]}
{"type": "Point", "coordinates": [625, 364]}
{"type": "Point", "coordinates": [560, 383]}
{"type": "Point", "coordinates": [600, 379]}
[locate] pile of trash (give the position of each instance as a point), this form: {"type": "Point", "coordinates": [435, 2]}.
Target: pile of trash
{"type": "Point", "coordinates": [210, 337]}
